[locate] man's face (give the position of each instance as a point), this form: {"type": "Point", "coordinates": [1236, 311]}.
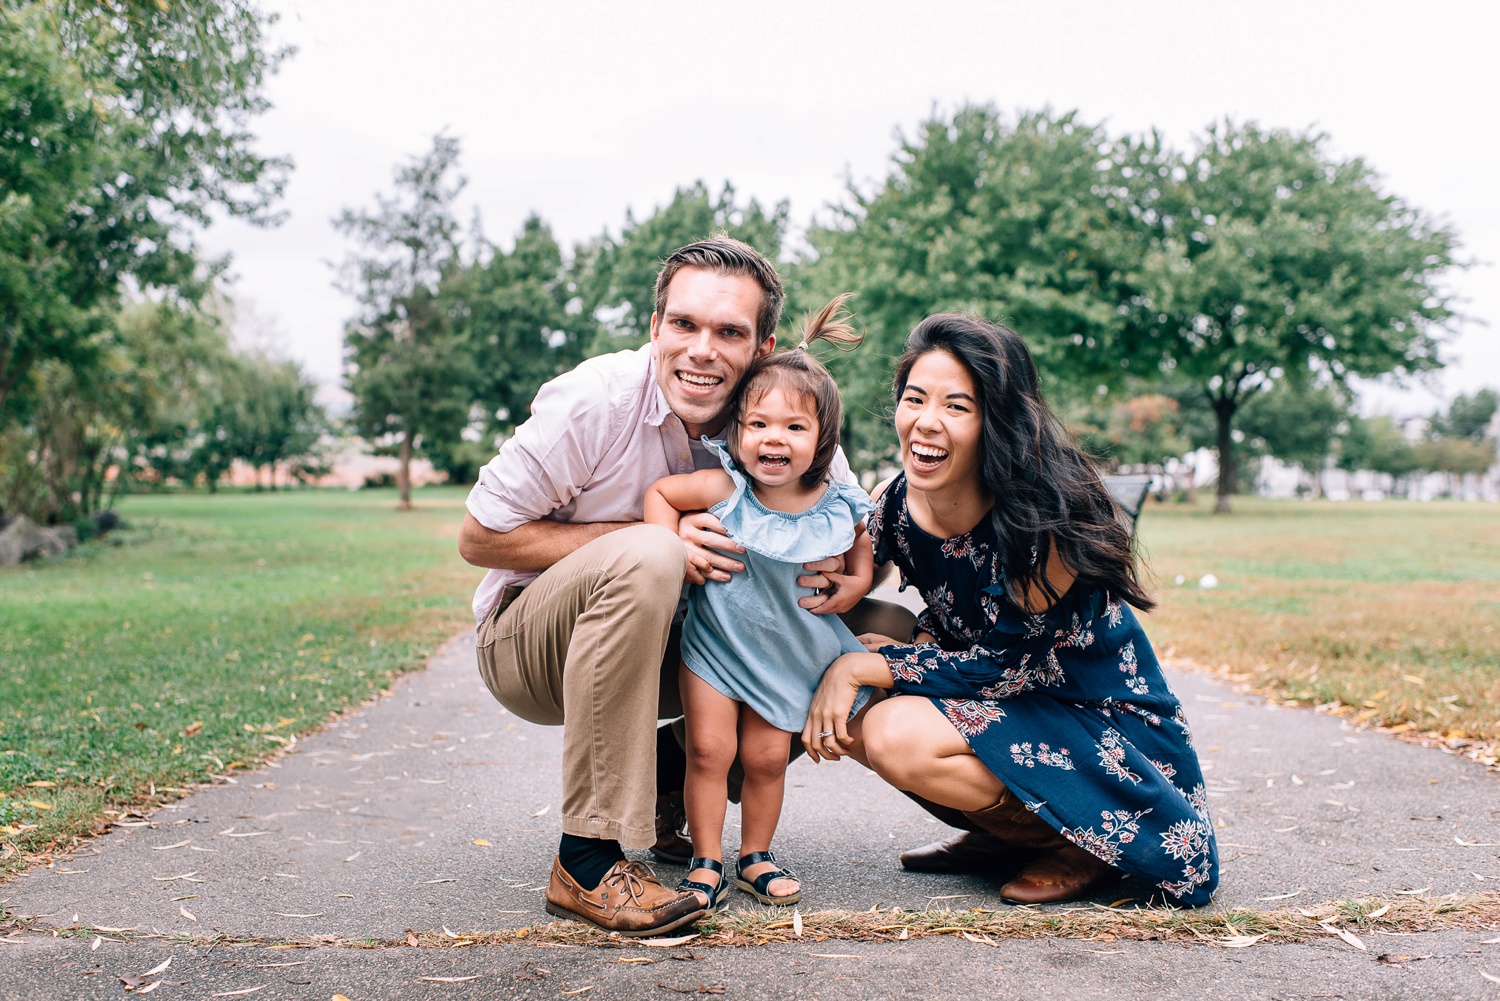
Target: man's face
{"type": "Point", "coordinates": [703, 342]}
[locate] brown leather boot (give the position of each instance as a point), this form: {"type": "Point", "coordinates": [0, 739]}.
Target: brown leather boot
{"type": "Point", "coordinates": [1061, 874]}
{"type": "Point", "coordinates": [629, 900]}
{"type": "Point", "coordinates": [1011, 823]}
{"type": "Point", "coordinates": [974, 850]}
{"type": "Point", "coordinates": [672, 844]}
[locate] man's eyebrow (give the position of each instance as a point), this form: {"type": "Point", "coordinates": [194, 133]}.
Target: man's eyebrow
{"type": "Point", "coordinates": [675, 314]}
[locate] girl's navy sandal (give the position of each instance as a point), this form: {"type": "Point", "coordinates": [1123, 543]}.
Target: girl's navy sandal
{"type": "Point", "coordinates": [758, 888]}
{"type": "Point", "coordinates": [715, 894]}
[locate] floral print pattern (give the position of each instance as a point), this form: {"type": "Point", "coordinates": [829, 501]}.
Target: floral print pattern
{"type": "Point", "coordinates": [1068, 708]}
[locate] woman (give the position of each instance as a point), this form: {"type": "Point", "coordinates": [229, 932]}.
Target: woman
{"type": "Point", "coordinates": [1028, 706]}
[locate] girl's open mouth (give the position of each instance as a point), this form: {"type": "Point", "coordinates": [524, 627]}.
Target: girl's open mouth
{"type": "Point", "coordinates": [775, 461]}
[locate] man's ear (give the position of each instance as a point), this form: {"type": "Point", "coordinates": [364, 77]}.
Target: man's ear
{"type": "Point", "coordinates": [766, 346]}
{"type": "Point", "coordinates": [653, 326]}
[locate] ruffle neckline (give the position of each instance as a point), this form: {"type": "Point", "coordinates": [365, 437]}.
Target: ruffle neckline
{"type": "Point", "coordinates": [823, 530]}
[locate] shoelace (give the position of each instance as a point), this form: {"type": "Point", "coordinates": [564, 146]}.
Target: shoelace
{"type": "Point", "coordinates": [628, 879]}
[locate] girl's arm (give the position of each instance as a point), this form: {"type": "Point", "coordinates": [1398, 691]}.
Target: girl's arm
{"type": "Point", "coordinates": [670, 497]}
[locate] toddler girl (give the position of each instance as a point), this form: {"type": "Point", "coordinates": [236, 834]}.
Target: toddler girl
{"type": "Point", "coordinates": [751, 656]}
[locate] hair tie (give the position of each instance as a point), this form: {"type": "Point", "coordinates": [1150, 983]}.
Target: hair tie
{"type": "Point", "coordinates": [801, 347]}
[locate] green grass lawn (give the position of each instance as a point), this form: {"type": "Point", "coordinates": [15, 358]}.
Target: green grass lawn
{"type": "Point", "coordinates": [211, 632]}
{"type": "Point", "coordinates": [1390, 609]}
{"type": "Point", "coordinates": [218, 627]}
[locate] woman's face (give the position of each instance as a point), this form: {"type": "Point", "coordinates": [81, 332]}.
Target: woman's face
{"type": "Point", "coordinates": [939, 424]}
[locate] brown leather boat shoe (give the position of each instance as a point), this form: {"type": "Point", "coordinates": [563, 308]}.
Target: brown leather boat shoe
{"type": "Point", "coordinates": [967, 852]}
{"type": "Point", "coordinates": [1061, 874]}
{"type": "Point", "coordinates": [629, 900]}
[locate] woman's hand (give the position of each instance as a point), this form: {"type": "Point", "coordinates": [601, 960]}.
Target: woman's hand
{"type": "Point", "coordinates": [874, 641]}
{"type": "Point", "coordinates": [826, 734]}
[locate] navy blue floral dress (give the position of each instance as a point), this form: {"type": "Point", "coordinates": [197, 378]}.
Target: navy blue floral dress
{"type": "Point", "coordinates": [1067, 707]}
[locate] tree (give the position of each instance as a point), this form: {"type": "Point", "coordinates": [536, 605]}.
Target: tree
{"type": "Point", "coordinates": [1379, 444]}
{"type": "Point", "coordinates": [266, 415]}
{"type": "Point", "coordinates": [409, 372]}
{"type": "Point", "coordinates": [135, 407]}
{"type": "Point", "coordinates": [1143, 430]}
{"type": "Point", "coordinates": [1030, 223]}
{"type": "Point", "coordinates": [1297, 423]}
{"type": "Point", "coordinates": [614, 279]}
{"type": "Point", "coordinates": [1468, 416]}
{"type": "Point", "coordinates": [512, 309]}
{"type": "Point", "coordinates": [126, 123]}
{"type": "Point", "coordinates": [1272, 259]}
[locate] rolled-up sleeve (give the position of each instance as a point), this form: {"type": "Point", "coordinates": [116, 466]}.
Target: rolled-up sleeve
{"type": "Point", "coordinates": [549, 460]}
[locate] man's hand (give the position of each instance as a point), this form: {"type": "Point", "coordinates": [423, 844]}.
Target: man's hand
{"type": "Point", "coordinates": [706, 543]}
{"type": "Point", "coordinates": [841, 580]}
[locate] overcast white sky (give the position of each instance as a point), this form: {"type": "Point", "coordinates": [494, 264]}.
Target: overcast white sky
{"type": "Point", "coordinates": [577, 111]}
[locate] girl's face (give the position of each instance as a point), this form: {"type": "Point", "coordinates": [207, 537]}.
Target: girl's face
{"type": "Point", "coordinates": [939, 424]}
{"type": "Point", "coordinates": [778, 437]}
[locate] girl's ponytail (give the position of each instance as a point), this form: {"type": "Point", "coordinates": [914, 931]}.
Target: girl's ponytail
{"type": "Point", "coordinates": [831, 324]}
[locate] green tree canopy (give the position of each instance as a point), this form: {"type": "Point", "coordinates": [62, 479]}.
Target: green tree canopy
{"type": "Point", "coordinates": [408, 371]}
{"type": "Point", "coordinates": [1273, 259]}
{"type": "Point", "coordinates": [1029, 223]}
{"type": "Point", "coordinates": [122, 123]}
{"type": "Point", "coordinates": [615, 278]}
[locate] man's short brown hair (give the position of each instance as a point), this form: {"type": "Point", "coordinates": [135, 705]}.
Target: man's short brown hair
{"type": "Point", "coordinates": [724, 255]}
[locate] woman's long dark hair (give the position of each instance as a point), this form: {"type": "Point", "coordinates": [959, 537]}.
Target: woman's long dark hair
{"type": "Point", "coordinates": [1048, 495]}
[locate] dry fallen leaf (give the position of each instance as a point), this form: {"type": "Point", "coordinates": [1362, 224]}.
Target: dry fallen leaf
{"type": "Point", "coordinates": [481, 843]}
{"type": "Point", "coordinates": [185, 913]}
{"type": "Point", "coordinates": [638, 959]}
{"type": "Point", "coordinates": [538, 814]}
{"type": "Point", "coordinates": [1380, 912]}
{"type": "Point", "coordinates": [338, 997]}
{"type": "Point", "coordinates": [449, 980]}
{"type": "Point", "coordinates": [96, 943]}
{"type": "Point", "coordinates": [167, 848]}
{"type": "Point", "coordinates": [158, 968]}
{"type": "Point", "coordinates": [1489, 976]}
{"type": "Point", "coordinates": [281, 914]}
{"type": "Point", "coordinates": [659, 943]}
{"type": "Point", "coordinates": [1349, 937]}
{"type": "Point", "coordinates": [235, 994]}
{"type": "Point", "coordinates": [1239, 941]}
{"type": "Point", "coordinates": [581, 990]}
{"type": "Point", "coordinates": [1390, 960]}
{"type": "Point", "coordinates": [1413, 893]}
{"type": "Point", "coordinates": [834, 955]}
{"type": "Point", "coordinates": [1283, 896]}
{"type": "Point", "coordinates": [797, 923]}
{"type": "Point", "coordinates": [153, 985]}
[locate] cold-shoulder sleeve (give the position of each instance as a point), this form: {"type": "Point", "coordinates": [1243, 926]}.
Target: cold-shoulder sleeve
{"type": "Point", "coordinates": [1019, 653]}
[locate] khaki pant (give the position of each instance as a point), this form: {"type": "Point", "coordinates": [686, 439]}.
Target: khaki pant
{"type": "Point", "coordinates": [590, 645]}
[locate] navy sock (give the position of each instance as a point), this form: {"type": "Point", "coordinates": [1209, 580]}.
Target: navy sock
{"type": "Point", "coordinates": [588, 859]}
{"type": "Point", "coordinates": [671, 762]}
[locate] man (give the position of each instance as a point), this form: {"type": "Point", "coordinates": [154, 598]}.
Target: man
{"type": "Point", "coordinates": [576, 616]}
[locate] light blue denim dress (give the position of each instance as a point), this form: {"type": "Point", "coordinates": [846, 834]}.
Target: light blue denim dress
{"type": "Point", "coordinates": [748, 637]}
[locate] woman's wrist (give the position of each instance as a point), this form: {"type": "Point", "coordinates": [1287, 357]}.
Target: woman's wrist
{"type": "Point", "coordinates": [866, 669]}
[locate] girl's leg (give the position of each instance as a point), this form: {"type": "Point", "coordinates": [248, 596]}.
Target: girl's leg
{"type": "Point", "coordinates": [764, 752]}
{"type": "Point", "coordinates": [710, 718]}
{"type": "Point", "coordinates": [913, 746]}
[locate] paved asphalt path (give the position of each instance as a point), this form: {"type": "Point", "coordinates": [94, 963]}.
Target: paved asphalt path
{"type": "Point", "coordinates": [435, 809]}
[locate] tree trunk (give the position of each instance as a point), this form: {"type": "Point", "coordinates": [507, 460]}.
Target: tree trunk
{"type": "Point", "coordinates": [403, 474]}
{"type": "Point", "coordinates": [1224, 412]}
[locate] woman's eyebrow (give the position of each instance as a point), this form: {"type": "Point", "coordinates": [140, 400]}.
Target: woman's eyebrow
{"type": "Point", "coordinates": [912, 388]}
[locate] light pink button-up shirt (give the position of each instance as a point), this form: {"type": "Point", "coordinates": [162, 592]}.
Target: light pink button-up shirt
{"type": "Point", "coordinates": [597, 438]}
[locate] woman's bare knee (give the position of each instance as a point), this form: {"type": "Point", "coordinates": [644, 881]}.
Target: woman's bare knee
{"type": "Point", "coordinates": [899, 739]}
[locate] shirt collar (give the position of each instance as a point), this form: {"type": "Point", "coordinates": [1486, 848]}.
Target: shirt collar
{"type": "Point", "coordinates": [657, 410]}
